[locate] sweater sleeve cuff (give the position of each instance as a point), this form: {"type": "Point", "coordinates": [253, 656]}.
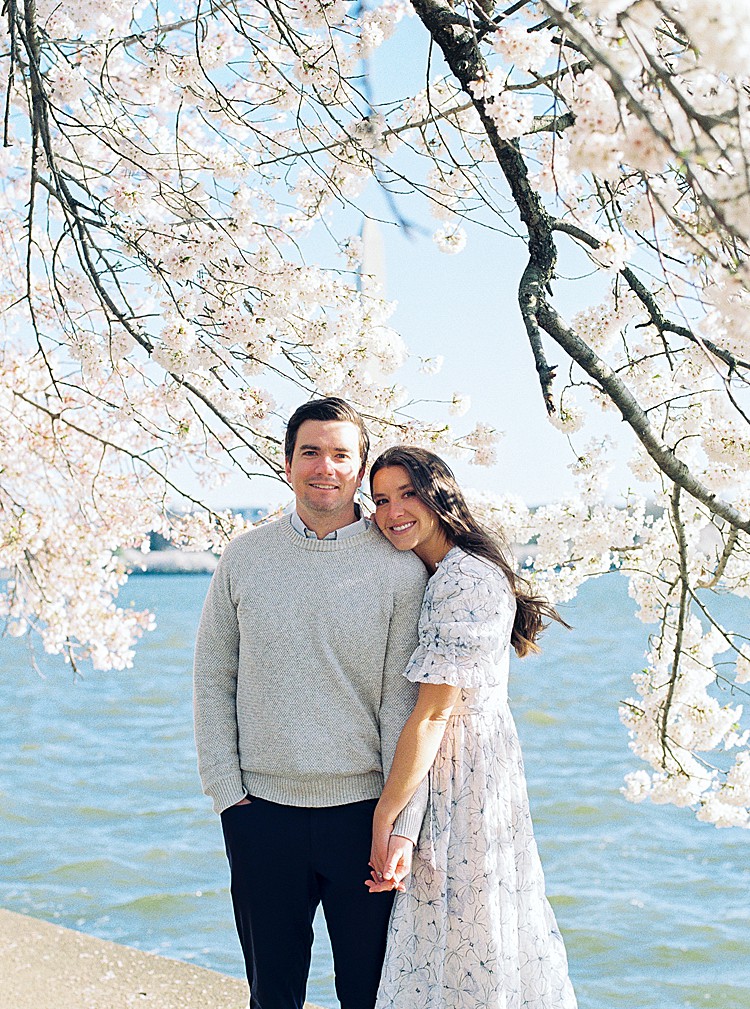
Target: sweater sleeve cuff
{"type": "Point", "coordinates": [225, 792]}
{"type": "Point", "coordinates": [409, 820]}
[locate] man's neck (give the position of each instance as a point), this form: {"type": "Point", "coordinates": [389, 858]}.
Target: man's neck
{"type": "Point", "coordinates": [324, 524]}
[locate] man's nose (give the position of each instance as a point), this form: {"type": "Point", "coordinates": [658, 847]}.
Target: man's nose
{"type": "Point", "coordinates": [325, 464]}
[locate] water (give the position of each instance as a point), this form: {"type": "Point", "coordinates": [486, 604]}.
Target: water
{"type": "Point", "coordinates": [103, 827]}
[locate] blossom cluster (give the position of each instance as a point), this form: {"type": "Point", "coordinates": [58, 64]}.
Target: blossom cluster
{"type": "Point", "coordinates": [176, 325]}
{"type": "Point", "coordinates": [169, 319]}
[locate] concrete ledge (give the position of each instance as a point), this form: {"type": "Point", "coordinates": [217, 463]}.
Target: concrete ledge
{"type": "Point", "coordinates": [44, 966]}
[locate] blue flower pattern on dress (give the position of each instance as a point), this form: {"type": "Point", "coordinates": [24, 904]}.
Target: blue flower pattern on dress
{"type": "Point", "coordinates": [474, 929]}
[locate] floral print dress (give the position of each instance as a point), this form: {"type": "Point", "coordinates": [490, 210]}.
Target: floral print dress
{"type": "Point", "coordinates": [474, 929]}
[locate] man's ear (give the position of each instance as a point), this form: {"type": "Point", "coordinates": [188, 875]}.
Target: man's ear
{"type": "Point", "coordinates": [361, 476]}
{"type": "Point", "coordinates": [288, 470]}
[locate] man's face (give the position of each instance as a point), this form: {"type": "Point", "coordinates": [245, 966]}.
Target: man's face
{"type": "Point", "coordinates": [326, 469]}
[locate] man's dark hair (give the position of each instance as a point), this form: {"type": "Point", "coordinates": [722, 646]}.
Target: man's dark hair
{"type": "Point", "coordinates": [330, 408]}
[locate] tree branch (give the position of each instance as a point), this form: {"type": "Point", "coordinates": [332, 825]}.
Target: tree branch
{"type": "Point", "coordinates": [648, 300]}
{"type": "Point", "coordinates": [634, 415]}
{"type": "Point", "coordinates": [463, 57]}
{"type": "Point", "coordinates": [666, 707]}
{"type": "Point", "coordinates": [729, 545]}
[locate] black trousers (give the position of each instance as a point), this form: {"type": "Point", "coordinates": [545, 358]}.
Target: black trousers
{"type": "Point", "coordinates": [284, 861]}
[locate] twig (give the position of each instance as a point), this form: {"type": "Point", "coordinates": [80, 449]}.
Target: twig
{"type": "Point", "coordinates": [665, 708]}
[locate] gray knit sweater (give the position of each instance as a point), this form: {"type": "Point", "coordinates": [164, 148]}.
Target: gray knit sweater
{"type": "Point", "coordinates": [299, 692]}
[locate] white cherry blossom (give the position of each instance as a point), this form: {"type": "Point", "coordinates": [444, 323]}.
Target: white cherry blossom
{"type": "Point", "coordinates": [185, 165]}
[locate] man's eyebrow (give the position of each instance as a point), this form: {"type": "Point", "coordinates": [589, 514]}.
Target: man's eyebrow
{"type": "Point", "coordinates": [339, 448]}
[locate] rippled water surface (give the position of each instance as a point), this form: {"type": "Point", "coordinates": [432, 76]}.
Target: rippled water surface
{"type": "Point", "coordinates": [103, 827]}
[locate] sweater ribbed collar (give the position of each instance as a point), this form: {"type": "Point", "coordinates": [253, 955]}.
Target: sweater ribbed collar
{"type": "Point", "coordinates": [352, 542]}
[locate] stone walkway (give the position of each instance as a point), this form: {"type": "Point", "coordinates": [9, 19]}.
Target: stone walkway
{"type": "Point", "coordinates": [44, 966]}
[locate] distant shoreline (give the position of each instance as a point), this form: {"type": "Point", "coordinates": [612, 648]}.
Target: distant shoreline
{"type": "Point", "coordinates": [164, 559]}
{"type": "Point", "coordinates": [170, 561]}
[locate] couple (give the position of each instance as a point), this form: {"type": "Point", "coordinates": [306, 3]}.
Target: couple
{"type": "Point", "coordinates": [316, 676]}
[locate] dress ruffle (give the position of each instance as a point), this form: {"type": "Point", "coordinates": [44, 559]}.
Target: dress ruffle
{"type": "Point", "coordinates": [430, 666]}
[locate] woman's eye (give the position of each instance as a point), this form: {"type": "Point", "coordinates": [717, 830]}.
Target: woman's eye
{"type": "Point", "coordinates": [378, 502]}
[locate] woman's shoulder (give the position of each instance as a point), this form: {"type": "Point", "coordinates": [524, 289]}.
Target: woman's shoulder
{"type": "Point", "coordinates": [461, 572]}
{"type": "Point", "coordinates": [460, 564]}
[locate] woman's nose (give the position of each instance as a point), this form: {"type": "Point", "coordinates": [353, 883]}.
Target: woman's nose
{"type": "Point", "coordinates": [396, 510]}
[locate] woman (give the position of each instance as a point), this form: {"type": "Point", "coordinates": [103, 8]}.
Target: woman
{"type": "Point", "coordinates": [472, 927]}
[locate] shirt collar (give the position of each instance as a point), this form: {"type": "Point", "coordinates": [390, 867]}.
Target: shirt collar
{"type": "Point", "coordinates": [358, 526]}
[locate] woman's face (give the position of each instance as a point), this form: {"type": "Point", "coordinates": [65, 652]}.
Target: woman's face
{"type": "Point", "coordinates": [404, 519]}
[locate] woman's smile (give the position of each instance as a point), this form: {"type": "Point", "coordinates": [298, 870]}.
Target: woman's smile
{"type": "Point", "coordinates": [403, 527]}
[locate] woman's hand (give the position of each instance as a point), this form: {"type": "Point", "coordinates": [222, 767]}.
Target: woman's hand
{"type": "Point", "coordinates": [375, 885]}
{"type": "Point", "coordinates": [382, 829]}
{"type": "Point", "coordinates": [397, 867]}
{"type": "Point", "coordinates": [390, 859]}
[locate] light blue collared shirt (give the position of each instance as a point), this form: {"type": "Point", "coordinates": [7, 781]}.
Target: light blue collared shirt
{"type": "Point", "coordinates": [358, 526]}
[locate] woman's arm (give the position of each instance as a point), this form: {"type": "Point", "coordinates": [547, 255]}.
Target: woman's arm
{"type": "Point", "coordinates": [415, 751]}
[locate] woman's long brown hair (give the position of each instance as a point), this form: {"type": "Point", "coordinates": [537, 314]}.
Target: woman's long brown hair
{"type": "Point", "coordinates": [435, 485]}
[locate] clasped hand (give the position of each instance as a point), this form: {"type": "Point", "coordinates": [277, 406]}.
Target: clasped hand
{"type": "Point", "coordinates": [390, 859]}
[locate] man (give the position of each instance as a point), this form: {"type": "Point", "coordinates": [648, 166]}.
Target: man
{"type": "Point", "coordinates": [299, 700]}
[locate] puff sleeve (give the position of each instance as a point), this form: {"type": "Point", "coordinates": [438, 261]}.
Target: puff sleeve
{"type": "Point", "coordinates": [465, 625]}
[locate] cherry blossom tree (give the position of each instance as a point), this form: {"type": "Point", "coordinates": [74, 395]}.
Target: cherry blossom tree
{"type": "Point", "coordinates": [164, 173]}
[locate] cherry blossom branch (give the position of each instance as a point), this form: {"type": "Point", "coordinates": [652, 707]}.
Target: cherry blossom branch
{"type": "Point", "coordinates": [85, 245]}
{"type": "Point", "coordinates": [623, 89]}
{"type": "Point", "coordinates": [464, 59]}
{"type": "Point", "coordinates": [160, 29]}
{"type": "Point", "coordinates": [530, 297]}
{"type": "Point", "coordinates": [648, 300]}
{"type": "Point", "coordinates": [634, 415]}
{"type": "Point", "coordinates": [679, 530]}
{"type": "Point", "coordinates": [728, 549]}
{"type": "Point", "coordinates": [58, 416]}
{"type": "Point", "coordinates": [12, 12]}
